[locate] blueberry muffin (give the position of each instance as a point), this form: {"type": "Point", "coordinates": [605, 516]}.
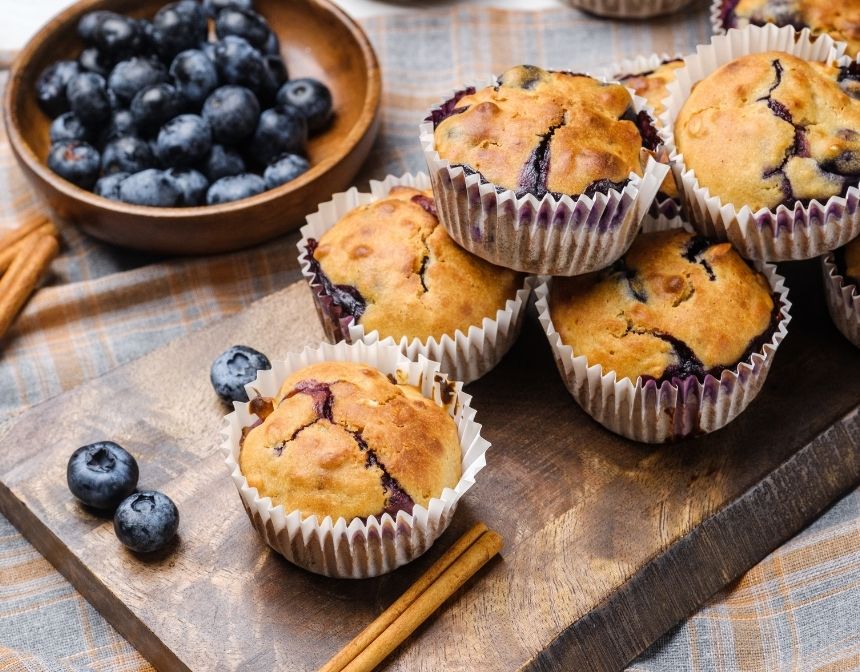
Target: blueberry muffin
{"type": "Point", "coordinates": [391, 266]}
{"type": "Point", "coordinates": [771, 129]}
{"type": "Point", "coordinates": [838, 18]}
{"type": "Point", "coordinates": [676, 305]}
{"type": "Point", "coordinates": [539, 132]}
{"type": "Point", "coordinates": [343, 440]}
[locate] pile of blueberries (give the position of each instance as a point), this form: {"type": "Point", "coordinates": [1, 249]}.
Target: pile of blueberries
{"type": "Point", "coordinates": [153, 113]}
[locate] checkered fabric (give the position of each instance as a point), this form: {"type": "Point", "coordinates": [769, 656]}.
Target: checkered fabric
{"type": "Point", "coordinates": [797, 610]}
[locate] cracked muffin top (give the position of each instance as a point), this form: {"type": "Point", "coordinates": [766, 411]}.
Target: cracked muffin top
{"type": "Point", "coordinates": [392, 266]}
{"type": "Point", "coordinates": [653, 85]}
{"type": "Point", "coordinates": [839, 18]}
{"type": "Point", "coordinates": [539, 132]}
{"type": "Point", "coordinates": [342, 440]}
{"type": "Point", "coordinates": [676, 305]}
{"type": "Point", "coordinates": [850, 266]}
{"type": "Point", "coordinates": [770, 129]}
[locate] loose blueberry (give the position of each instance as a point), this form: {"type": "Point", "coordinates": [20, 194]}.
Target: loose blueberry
{"type": "Point", "coordinates": [153, 105]}
{"type": "Point", "coordinates": [239, 63]}
{"type": "Point", "coordinates": [118, 36]}
{"type": "Point", "coordinates": [150, 187]}
{"type": "Point", "coordinates": [102, 474]}
{"type": "Point", "coordinates": [131, 75]}
{"type": "Point", "coordinates": [281, 130]}
{"type": "Point", "coordinates": [68, 127]}
{"type": "Point", "coordinates": [51, 87]}
{"type": "Point", "coordinates": [234, 368]}
{"type": "Point", "coordinates": [312, 98]}
{"type": "Point", "coordinates": [183, 141]}
{"type": "Point", "coordinates": [232, 113]}
{"type": "Point", "coordinates": [212, 7]}
{"type": "Point", "coordinates": [121, 124]}
{"type": "Point", "coordinates": [75, 161]}
{"type": "Point", "coordinates": [88, 98]}
{"type": "Point", "coordinates": [192, 185]}
{"type": "Point", "coordinates": [146, 521]}
{"type": "Point", "coordinates": [108, 186]}
{"type": "Point", "coordinates": [177, 27]}
{"type": "Point", "coordinates": [285, 169]}
{"type": "Point", "coordinates": [235, 188]}
{"type": "Point", "coordinates": [223, 161]}
{"type": "Point", "coordinates": [243, 23]}
{"type": "Point", "coordinates": [126, 154]}
{"type": "Point", "coordinates": [194, 75]}
{"type": "Point", "coordinates": [92, 60]}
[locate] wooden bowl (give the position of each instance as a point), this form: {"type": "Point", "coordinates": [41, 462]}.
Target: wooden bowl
{"type": "Point", "coordinates": [317, 40]}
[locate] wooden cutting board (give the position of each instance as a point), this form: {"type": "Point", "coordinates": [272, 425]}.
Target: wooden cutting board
{"type": "Point", "coordinates": [608, 543]}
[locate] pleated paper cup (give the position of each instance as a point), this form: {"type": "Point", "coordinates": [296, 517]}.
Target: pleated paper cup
{"type": "Point", "coordinates": [464, 356]}
{"type": "Point", "coordinates": [551, 236]}
{"type": "Point", "coordinates": [799, 232]}
{"type": "Point", "coordinates": [358, 548]}
{"type": "Point", "coordinates": [843, 300]}
{"type": "Point", "coordinates": [718, 17]}
{"type": "Point", "coordinates": [656, 413]}
{"type": "Point", "coordinates": [629, 9]}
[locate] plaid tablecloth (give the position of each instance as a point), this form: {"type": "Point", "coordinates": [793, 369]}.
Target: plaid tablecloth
{"type": "Point", "coordinates": [797, 610]}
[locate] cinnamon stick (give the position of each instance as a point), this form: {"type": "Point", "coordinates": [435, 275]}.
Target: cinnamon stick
{"type": "Point", "coordinates": [24, 230]}
{"type": "Point", "coordinates": [8, 254]}
{"type": "Point", "coordinates": [23, 275]}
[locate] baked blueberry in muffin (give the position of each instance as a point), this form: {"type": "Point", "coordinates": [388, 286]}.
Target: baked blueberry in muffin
{"type": "Point", "coordinates": [676, 305]}
{"type": "Point", "coordinates": [771, 129]}
{"type": "Point", "coordinates": [393, 268]}
{"type": "Point", "coordinates": [838, 18]}
{"type": "Point", "coordinates": [539, 132]}
{"type": "Point", "coordinates": [343, 440]}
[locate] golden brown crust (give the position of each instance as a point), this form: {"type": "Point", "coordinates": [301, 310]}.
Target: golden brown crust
{"type": "Point", "coordinates": [638, 317]}
{"type": "Point", "coordinates": [767, 129]}
{"type": "Point", "coordinates": [338, 431]}
{"type": "Point", "coordinates": [852, 261]}
{"type": "Point", "coordinates": [416, 281]}
{"type": "Point", "coordinates": [501, 131]}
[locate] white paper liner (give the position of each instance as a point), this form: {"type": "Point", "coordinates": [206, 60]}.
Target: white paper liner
{"type": "Point", "coordinates": [786, 233]}
{"type": "Point", "coordinates": [656, 414]}
{"type": "Point", "coordinates": [843, 300]}
{"type": "Point", "coordinates": [629, 9]}
{"type": "Point", "coordinates": [539, 236]}
{"type": "Point", "coordinates": [717, 18]}
{"type": "Point", "coordinates": [465, 356]}
{"type": "Point", "coordinates": [356, 549]}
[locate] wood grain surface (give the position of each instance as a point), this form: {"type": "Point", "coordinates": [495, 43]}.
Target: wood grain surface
{"type": "Point", "coordinates": [608, 543]}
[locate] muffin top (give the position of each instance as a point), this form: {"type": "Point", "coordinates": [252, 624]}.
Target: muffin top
{"type": "Point", "coordinates": [675, 305]}
{"type": "Point", "coordinates": [653, 84]}
{"type": "Point", "coordinates": [851, 258]}
{"type": "Point", "coordinates": [769, 129]}
{"type": "Point", "coordinates": [539, 132]}
{"type": "Point", "coordinates": [839, 18]}
{"type": "Point", "coordinates": [404, 274]}
{"type": "Point", "coordinates": [343, 440]}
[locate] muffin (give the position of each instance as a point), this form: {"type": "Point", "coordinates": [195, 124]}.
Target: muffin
{"type": "Point", "coordinates": [840, 19]}
{"type": "Point", "coordinates": [676, 316]}
{"type": "Point", "coordinates": [344, 441]}
{"type": "Point", "coordinates": [539, 146]}
{"type": "Point", "coordinates": [386, 269]}
{"type": "Point", "coordinates": [842, 289]}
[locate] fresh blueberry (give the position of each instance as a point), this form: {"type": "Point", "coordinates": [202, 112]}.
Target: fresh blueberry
{"type": "Point", "coordinates": [223, 161]}
{"type": "Point", "coordinates": [90, 22]}
{"type": "Point", "coordinates": [285, 169]}
{"type": "Point", "coordinates": [312, 98]}
{"type": "Point", "coordinates": [146, 521]}
{"type": "Point", "coordinates": [192, 185]}
{"type": "Point", "coordinates": [121, 124]}
{"type": "Point", "coordinates": [92, 60]}
{"type": "Point", "coordinates": [108, 186]}
{"type": "Point", "coordinates": [118, 36]}
{"type": "Point", "coordinates": [183, 141]}
{"type": "Point", "coordinates": [194, 75]}
{"type": "Point", "coordinates": [102, 474]}
{"type": "Point", "coordinates": [235, 188]}
{"type": "Point", "coordinates": [75, 161]}
{"type": "Point", "coordinates": [150, 187]}
{"type": "Point", "coordinates": [131, 75]}
{"type": "Point", "coordinates": [244, 23]}
{"type": "Point", "coordinates": [88, 98]}
{"type": "Point", "coordinates": [153, 105]}
{"type": "Point", "coordinates": [68, 127]}
{"type": "Point", "coordinates": [212, 7]}
{"type": "Point", "coordinates": [126, 154]}
{"type": "Point", "coordinates": [281, 130]}
{"type": "Point", "coordinates": [240, 63]}
{"type": "Point", "coordinates": [51, 87]}
{"type": "Point", "coordinates": [177, 27]}
{"type": "Point", "coordinates": [273, 45]}
{"type": "Point", "coordinates": [232, 113]}
{"type": "Point", "coordinates": [233, 369]}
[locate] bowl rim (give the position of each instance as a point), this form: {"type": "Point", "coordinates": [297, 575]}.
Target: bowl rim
{"type": "Point", "coordinates": [366, 120]}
